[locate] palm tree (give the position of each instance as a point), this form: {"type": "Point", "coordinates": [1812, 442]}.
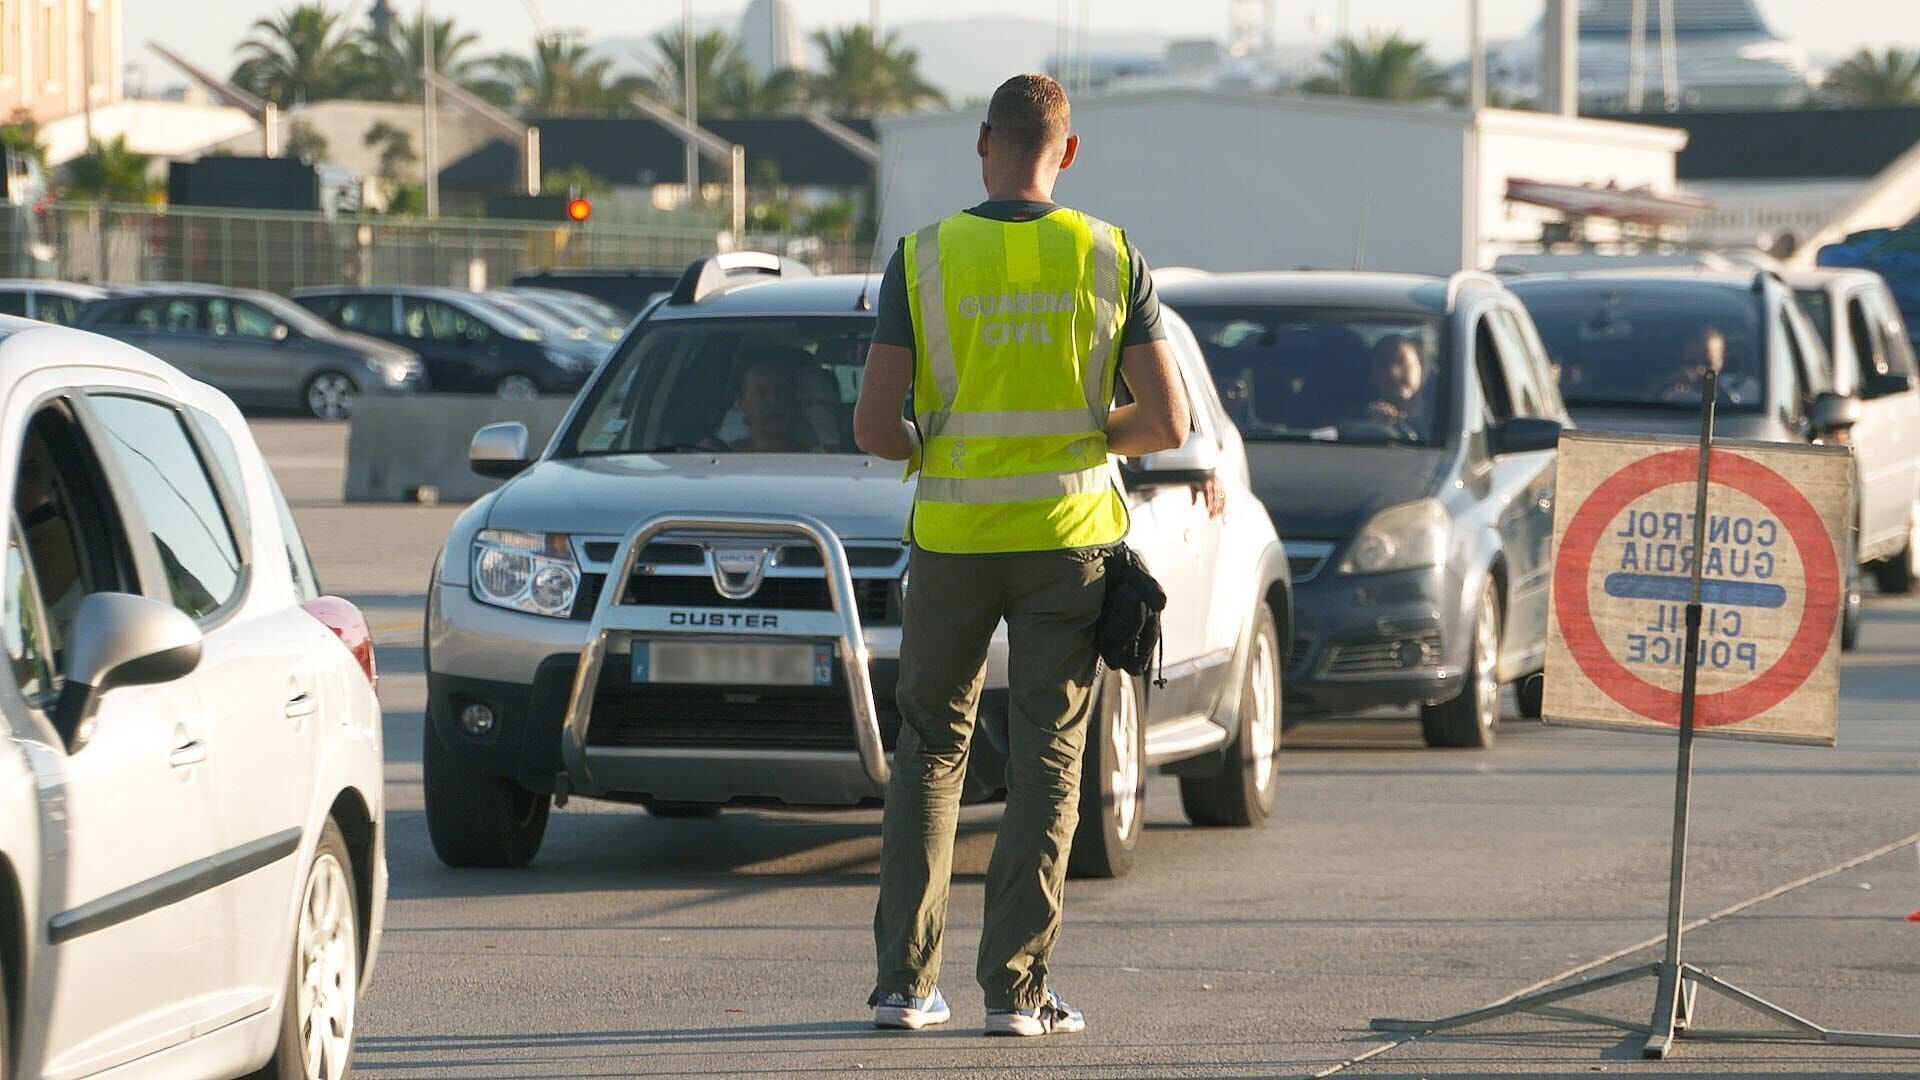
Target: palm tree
{"type": "Point", "coordinates": [741, 92]}
{"type": "Point", "coordinates": [1390, 68]}
{"type": "Point", "coordinates": [305, 53]}
{"type": "Point", "coordinates": [1865, 79]}
{"type": "Point", "coordinates": [109, 172]}
{"type": "Point", "coordinates": [393, 63]}
{"type": "Point", "coordinates": [22, 136]}
{"type": "Point", "coordinates": [561, 78]}
{"type": "Point", "coordinates": [865, 77]}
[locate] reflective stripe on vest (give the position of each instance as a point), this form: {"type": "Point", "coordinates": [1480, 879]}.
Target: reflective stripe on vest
{"type": "Point", "coordinates": [1016, 330]}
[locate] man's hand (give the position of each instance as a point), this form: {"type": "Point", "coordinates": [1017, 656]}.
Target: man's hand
{"type": "Point", "coordinates": [1158, 418]}
{"type": "Point", "coordinates": [877, 426]}
{"type": "Point", "coordinates": [1215, 494]}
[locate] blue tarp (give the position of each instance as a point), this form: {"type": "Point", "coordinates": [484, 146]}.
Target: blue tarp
{"type": "Point", "coordinates": [1894, 254]}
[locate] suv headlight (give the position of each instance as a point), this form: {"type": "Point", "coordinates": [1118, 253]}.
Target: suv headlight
{"type": "Point", "coordinates": [531, 572]}
{"type": "Point", "coordinates": [1404, 537]}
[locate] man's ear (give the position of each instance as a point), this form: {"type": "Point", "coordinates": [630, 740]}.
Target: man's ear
{"type": "Point", "coordinates": [1072, 151]}
{"type": "Point", "coordinates": [980, 145]}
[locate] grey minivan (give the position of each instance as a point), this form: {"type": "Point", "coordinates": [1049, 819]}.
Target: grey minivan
{"type": "Point", "coordinates": [1631, 348]}
{"type": "Point", "coordinates": [259, 348]}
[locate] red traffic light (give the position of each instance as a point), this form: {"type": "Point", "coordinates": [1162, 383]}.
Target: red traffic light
{"type": "Point", "coordinates": [579, 209]}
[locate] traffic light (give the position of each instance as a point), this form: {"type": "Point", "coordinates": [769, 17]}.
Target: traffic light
{"type": "Point", "coordinates": [579, 209]}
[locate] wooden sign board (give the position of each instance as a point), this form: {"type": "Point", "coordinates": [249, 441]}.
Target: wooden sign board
{"type": "Point", "coordinates": [1771, 593]}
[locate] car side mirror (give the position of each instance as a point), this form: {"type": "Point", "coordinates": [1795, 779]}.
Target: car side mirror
{"type": "Point", "coordinates": [119, 639]}
{"type": "Point", "coordinates": [1884, 384]}
{"type": "Point", "coordinates": [499, 450]}
{"type": "Point", "coordinates": [1833, 412]}
{"type": "Point", "coordinates": [281, 332]}
{"type": "Point", "coordinates": [1193, 462]}
{"type": "Point", "coordinates": [1522, 435]}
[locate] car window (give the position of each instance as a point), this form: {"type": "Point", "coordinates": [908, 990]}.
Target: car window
{"type": "Point", "coordinates": [1326, 374]}
{"type": "Point", "coordinates": [1516, 364]}
{"type": "Point", "coordinates": [225, 458]}
{"type": "Point", "coordinates": [437, 321]}
{"type": "Point", "coordinates": [1900, 359]}
{"type": "Point", "coordinates": [1869, 340]}
{"type": "Point", "coordinates": [1818, 307]}
{"type": "Point", "coordinates": [185, 516]}
{"type": "Point", "coordinates": [1809, 369]}
{"type": "Point", "coordinates": [161, 315]}
{"type": "Point", "coordinates": [1491, 371]}
{"type": "Point", "coordinates": [13, 303]}
{"type": "Point", "coordinates": [361, 314]}
{"type": "Point", "coordinates": [23, 627]}
{"type": "Point", "coordinates": [306, 583]}
{"type": "Point", "coordinates": [253, 321]}
{"type": "Point", "coordinates": [774, 385]}
{"type": "Point", "coordinates": [1650, 343]}
{"type": "Point", "coordinates": [64, 310]}
{"type": "Point", "coordinates": [73, 534]}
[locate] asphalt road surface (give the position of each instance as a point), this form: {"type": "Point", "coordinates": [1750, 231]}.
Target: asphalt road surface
{"type": "Point", "coordinates": [1393, 880]}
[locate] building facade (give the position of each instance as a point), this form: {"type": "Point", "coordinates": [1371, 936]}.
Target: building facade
{"type": "Point", "coordinates": [54, 54]}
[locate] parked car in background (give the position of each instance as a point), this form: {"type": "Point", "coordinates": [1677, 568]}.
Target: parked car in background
{"type": "Point", "coordinates": [565, 329]}
{"type": "Point", "coordinates": [1402, 432]}
{"type": "Point", "coordinates": [470, 346]}
{"type": "Point", "coordinates": [629, 290]}
{"type": "Point", "coordinates": [57, 302]}
{"type": "Point", "coordinates": [676, 686]}
{"type": "Point", "coordinates": [1872, 357]}
{"type": "Point", "coordinates": [192, 827]}
{"type": "Point", "coordinates": [256, 347]}
{"type": "Point", "coordinates": [583, 306]}
{"type": "Point", "coordinates": [1631, 349]}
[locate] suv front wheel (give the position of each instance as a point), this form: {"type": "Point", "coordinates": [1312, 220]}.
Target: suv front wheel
{"type": "Point", "coordinates": [1898, 575]}
{"type": "Point", "coordinates": [1113, 781]}
{"type": "Point", "coordinates": [475, 819]}
{"type": "Point", "coordinates": [1473, 717]}
{"type": "Point", "coordinates": [1241, 795]}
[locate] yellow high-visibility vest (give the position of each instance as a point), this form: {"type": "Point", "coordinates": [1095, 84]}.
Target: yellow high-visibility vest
{"type": "Point", "coordinates": [1016, 332]}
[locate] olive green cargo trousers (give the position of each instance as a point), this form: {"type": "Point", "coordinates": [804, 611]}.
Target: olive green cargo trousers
{"type": "Point", "coordinates": [1050, 601]}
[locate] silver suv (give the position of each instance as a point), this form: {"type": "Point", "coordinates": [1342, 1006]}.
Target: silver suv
{"type": "Point", "coordinates": [748, 653]}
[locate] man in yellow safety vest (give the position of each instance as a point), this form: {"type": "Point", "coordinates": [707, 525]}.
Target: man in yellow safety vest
{"type": "Point", "coordinates": [1009, 323]}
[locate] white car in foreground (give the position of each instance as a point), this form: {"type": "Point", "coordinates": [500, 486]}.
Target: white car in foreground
{"type": "Point", "coordinates": [192, 867]}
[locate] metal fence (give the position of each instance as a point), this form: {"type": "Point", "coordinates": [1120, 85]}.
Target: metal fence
{"type": "Point", "coordinates": [280, 251]}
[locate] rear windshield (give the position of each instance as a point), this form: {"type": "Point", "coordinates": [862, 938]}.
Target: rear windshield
{"type": "Point", "coordinates": [1344, 375]}
{"type": "Point", "coordinates": [736, 385]}
{"type": "Point", "coordinates": [1650, 344]}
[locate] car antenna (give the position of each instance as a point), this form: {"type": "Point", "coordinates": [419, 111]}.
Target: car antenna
{"type": "Point", "coordinates": [865, 303]}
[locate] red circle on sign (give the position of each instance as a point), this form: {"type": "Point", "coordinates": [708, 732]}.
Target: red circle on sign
{"type": "Point", "coordinates": [1818, 614]}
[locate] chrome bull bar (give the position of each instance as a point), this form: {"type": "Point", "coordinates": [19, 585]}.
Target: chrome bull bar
{"type": "Point", "coordinates": [840, 625]}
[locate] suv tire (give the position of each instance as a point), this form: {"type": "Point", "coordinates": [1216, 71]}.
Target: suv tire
{"type": "Point", "coordinates": [1241, 794]}
{"type": "Point", "coordinates": [1472, 718]}
{"type": "Point", "coordinates": [1899, 575]}
{"type": "Point", "coordinates": [475, 819]}
{"type": "Point", "coordinates": [1113, 781]}
{"type": "Point", "coordinates": [323, 974]}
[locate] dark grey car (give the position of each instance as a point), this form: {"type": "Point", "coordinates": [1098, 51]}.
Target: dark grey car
{"type": "Point", "coordinates": [260, 349]}
{"type": "Point", "coordinates": [1401, 431]}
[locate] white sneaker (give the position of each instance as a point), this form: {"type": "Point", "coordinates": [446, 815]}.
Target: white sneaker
{"type": "Point", "coordinates": [1053, 1017]}
{"type": "Point", "coordinates": [895, 1010]}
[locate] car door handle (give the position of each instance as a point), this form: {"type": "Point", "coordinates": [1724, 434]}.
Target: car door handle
{"type": "Point", "coordinates": [301, 705]}
{"type": "Point", "coordinates": [189, 753]}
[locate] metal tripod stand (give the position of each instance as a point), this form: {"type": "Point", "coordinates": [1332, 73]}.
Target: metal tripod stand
{"type": "Point", "coordinates": [1677, 983]}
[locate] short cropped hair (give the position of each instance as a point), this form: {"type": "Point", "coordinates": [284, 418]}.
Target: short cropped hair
{"type": "Point", "coordinates": [1029, 113]}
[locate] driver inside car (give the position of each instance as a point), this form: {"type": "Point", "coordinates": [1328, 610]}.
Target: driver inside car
{"type": "Point", "coordinates": [1707, 351]}
{"type": "Point", "coordinates": [1398, 372]}
{"type": "Point", "coordinates": [763, 420]}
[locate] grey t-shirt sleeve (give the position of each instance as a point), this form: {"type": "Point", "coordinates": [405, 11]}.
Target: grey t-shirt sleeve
{"type": "Point", "coordinates": [892, 316]}
{"type": "Point", "coordinates": [1143, 304]}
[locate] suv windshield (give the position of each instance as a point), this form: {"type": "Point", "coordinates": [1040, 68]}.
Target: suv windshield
{"type": "Point", "coordinates": [750, 385]}
{"type": "Point", "coordinates": [1346, 375]}
{"type": "Point", "coordinates": [1650, 343]}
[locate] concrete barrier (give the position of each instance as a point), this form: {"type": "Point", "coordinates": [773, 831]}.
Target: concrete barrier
{"type": "Point", "coordinates": [401, 445]}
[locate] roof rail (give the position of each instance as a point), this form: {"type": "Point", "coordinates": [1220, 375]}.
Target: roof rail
{"type": "Point", "coordinates": [710, 274]}
{"type": "Point", "coordinates": [1462, 278]}
{"type": "Point", "coordinates": [1762, 276]}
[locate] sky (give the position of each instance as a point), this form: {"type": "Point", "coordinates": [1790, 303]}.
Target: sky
{"type": "Point", "coordinates": [1826, 28]}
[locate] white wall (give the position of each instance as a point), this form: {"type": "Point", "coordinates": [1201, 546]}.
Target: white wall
{"type": "Point", "coordinates": [163, 129]}
{"type": "Point", "coordinates": [1556, 149]}
{"type": "Point", "coordinates": [1224, 182]}
{"type": "Point", "coordinates": [1746, 209]}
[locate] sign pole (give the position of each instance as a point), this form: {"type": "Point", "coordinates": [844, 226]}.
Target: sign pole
{"type": "Point", "coordinates": [1676, 982]}
{"type": "Point", "coordinates": [1673, 1001]}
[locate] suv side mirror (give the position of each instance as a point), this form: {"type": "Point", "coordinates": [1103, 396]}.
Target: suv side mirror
{"type": "Point", "coordinates": [1522, 435]}
{"type": "Point", "coordinates": [1192, 462]}
{"type": "Point", "coordinates": [119, 639]}
{"type": "Point", "coordinates": [280, 332]}
{"type": "Point", "coordinates": [1833, 412]}
{"type": "Point", "coordinates": [499, 450]}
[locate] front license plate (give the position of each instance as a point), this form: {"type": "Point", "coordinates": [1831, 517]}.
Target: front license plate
{"type": "Point", "coordinates": [721, 664]}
